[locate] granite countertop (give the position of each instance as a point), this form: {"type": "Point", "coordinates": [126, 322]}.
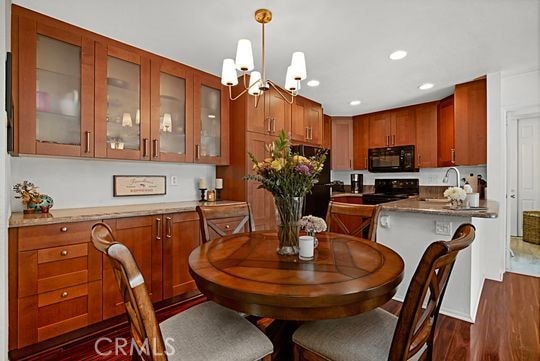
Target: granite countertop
{"type": "Point", "coordinates": [346, 194]}
{"type": "Point", "coordinates": [418, 205]}
{"type": "Point", "coordinates": [96, 213]}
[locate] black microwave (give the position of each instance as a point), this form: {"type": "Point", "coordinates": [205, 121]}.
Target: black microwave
{"type": "Point", "coordinates": [392, 159]}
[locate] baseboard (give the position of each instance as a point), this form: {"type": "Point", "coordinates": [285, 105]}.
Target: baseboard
{"type": "Point", "coordinates": [494, 276]}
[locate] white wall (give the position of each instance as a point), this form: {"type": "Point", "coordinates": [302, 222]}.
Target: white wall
{"type": "Point", "coordinates": [426, 176]}
{"type": "Point", "coordinates": [76, 183]}
{"type": "Point", "coordinates": [4, 174]}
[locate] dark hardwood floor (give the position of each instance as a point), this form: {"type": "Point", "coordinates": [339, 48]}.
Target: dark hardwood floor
{"type": "Point", "coordinates": [507, 328]}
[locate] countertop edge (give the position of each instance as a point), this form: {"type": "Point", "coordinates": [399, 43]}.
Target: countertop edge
{"type": "Point", "coordinates": [413, 205]}
{"type": "Point", "coordinates": [18, 219]}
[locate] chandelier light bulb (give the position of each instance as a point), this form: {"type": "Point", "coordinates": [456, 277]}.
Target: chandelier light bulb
{"type": "Point", "coordinates": [228, 73]}
{"type": "Point", "coordinates": [298, 65]}
{"type": "Point", "coordinates": [244, 55]}
{"type": "Point", "coordinates": [254, 83]}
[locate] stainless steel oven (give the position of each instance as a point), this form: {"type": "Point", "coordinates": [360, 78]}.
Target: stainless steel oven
{"type": "Point", "coordinates": [392, 159]}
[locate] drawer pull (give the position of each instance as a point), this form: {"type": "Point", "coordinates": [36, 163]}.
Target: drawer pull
{"type": "Point", "coordinates": [64, 229]}
{"type": "Point", "coordinates": [64, 294]}
{"type": "Point", "coordinates": [64, 253]}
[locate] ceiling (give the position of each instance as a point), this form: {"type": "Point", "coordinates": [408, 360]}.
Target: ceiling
{"type": "Point", "coordinates": [346, 42]}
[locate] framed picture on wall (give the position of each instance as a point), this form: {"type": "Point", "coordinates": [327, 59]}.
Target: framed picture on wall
{"type": "Point", "coordinates": [139, 185]}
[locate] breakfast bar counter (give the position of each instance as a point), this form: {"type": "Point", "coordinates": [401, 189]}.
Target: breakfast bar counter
{"type": "Point", "coordinates": [70, 215]}
{"type": "Point", "coordinates": [439, 206]}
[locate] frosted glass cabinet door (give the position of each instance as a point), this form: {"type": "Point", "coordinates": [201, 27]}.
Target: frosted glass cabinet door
{"type": "Point", "coordinates": [171, 111]}
{"type": "Point", "coordinates": [55, 96]}
{"type": "Point", "coordinates": [211, 130]}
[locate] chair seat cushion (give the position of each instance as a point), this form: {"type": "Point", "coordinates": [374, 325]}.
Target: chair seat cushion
{"type": "Point", "coordinates": [364, 337]}
{"type": "Point", "coordinates": [210, 332]}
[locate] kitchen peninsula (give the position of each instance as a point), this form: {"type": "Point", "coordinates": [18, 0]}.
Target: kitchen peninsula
{"type": "Point", "coordinates": [408, 226]}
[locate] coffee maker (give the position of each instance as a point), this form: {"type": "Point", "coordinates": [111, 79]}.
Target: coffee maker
{"type": "Point", "coordinates": [357, 183]}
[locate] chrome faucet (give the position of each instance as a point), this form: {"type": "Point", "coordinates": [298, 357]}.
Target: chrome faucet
{"type": "Point", "coordinates": [458, 176]}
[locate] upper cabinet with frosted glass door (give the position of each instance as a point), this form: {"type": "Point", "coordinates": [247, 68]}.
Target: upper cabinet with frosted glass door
{"type": "Point", "coordinates": [53, 89]}
{"type": "Point", "coordinates": [122, 104]}
{"type": "Point", "coordinates": [171, 111]}
{"type": "Point", "coordinates": [211, 120]}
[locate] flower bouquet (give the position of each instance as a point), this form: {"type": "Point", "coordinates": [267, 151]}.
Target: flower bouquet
{"type": "Point", "coordinates": [312, 225]}
{"type": "Point", "coordinates": [289, 177]}
{"type": "Point", "coordinates": [455, 195]}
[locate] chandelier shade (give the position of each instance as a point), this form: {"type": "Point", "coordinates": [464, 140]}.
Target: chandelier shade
{"type": "Point", "coordinates": [258, 83]}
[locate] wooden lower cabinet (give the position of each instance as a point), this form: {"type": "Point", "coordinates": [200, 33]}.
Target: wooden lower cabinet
{"type": "Point", "coordinates": [181, 235]}
{"type": "Point", "coordinates": [54, 282]}
{"type": "Point", "coordinates": [58, 281]}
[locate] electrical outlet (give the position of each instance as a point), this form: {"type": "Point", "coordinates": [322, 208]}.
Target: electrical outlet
{"type": "Point", "coordinates": [174, 180]}
{"type": "Point", "coordinates": [443, 228]}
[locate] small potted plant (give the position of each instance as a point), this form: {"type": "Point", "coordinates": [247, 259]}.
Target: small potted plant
{"type": "Point", "coordinates": [312, 225]}
{"type": "Point", "coordinates": [456, 196]}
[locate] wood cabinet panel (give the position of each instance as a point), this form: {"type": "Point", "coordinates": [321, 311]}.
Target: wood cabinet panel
{"type": "Point", "coordinates": [403, 127]}
{"type": "Point", "coordinates": [342, 143]}
{"type": "Point", "coordinates": [258, 122]}
{"type": "Point", "coordinates": [53, 235]}
{"type": "Point", "coordinates": [348, 199]}
{"type": "Point", "coordinates": [360, 141]}
{"type": "Point", "coordinates": [278, 112]}
{"type": "Point", "coordinates": [315, 123]}
{"type": "Point", "coordinates": [180, 236]}
{"type": "Point", "coordinates": [379, 129]}
{"type": "Point", "coordinates": [470, 117]}
{"type": "Point", "coordinates": [446, 131]}
{"type": "Point", "coordinates": [298, 127]}
{"type": "Point", "coordinates": [327, 132]}
{"type": "Point", "coordinates": [426, 135]}
{"type": "Point", "coordinates": [142, 236]}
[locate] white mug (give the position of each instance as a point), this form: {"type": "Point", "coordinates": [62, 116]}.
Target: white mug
{"type": "Point", "coordinates": [473, 199]}
{"type": "Point", "coordinates": [307, 247]}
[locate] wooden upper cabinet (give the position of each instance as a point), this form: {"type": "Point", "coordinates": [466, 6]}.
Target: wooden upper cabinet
{"type": "Point", "coordinates": [211, 120]}
{"type": "Point", "coordinates": [53, 87]}
{"type": "Point", "coordinates": [360, 141]}
{"type": "Point", "coordinates": [470, 119]}
{"type": "Point", "coordinates": [392, 128]}
{"type": "Point", "coordinates": [256, 118]}
{"type": "Point", "coordinates": [122, 104]}
{"type": "Point", "coordinates": [327, 132]}
{"type": "Point", "coordinates": [380, 129]}
{"type": "Point", "coordinates": [314, 123]}
{"type": "Point", "coordinates": [171, 113]}
{"type": "Point", "coordinates": [342, 143]}
{"type": "Point", "coordinates": [426, 135]}
{"type": "Point", "coordinates": [298, 127]}
{"type": "Point", "coordinates": [445, 130]}
{"type": "Point", "coordinates": [278, 112]}
{"type": "Point", "coordinates": [403, 127]}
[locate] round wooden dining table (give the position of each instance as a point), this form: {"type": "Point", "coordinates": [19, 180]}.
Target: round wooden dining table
{"type": "Point", "coordinates": [347, 276]}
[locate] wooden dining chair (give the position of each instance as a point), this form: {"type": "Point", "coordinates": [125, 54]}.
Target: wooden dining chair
{"type": "Point", "coordinates": [221, 220]}
{"type": "Point", "coordinates": [204, 332]}
{"type": "Point", "coordinates": [379, 335]}
{"type": "Point", "coordinates": [355, 219]}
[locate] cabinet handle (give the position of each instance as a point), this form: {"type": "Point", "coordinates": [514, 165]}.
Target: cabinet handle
{"type": "Point", "coordinates": [387, 140]}
{"type": "Point", "coordinates": [155, 148]}
{"type": "Point", "coordinates": [268, 126]}
{"type": "Point", "coordinates": [145, 148]}
{"type": "Point", "coordinates": [64, 294]}
{"type": "Point", "coordinates": [197, 151]}
{"type": "Point", "coordinates": [350, 163]}
{"type": "Point", "coordinates": [307, 133]}
{"type": "Point", "coordinates": [366, 162]}
{"type": "Point", "coordinates": [393, 139]}
{"type": "Point", "coordinates": [453, 155]}
{"type": "Point", "coordinates": [273, 120]}
{"type": "Point", "coordinates": [64, 229]}
{"type": "Point", "coordinates": [64, 253]}
{"type": "Point", "coordinates": [168, 224]}
{"type": "Point", "coordinates": [158, 229]}
{"type": "Point", "coordinates": [419, 159]}
{"type": "Point", "coordinates": [87, 145]}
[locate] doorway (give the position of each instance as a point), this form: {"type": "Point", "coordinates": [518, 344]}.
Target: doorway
{"type": "Point", "coordinates": [524, 194]}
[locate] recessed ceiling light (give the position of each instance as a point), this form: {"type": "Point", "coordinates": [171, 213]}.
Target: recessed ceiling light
{"type": "Point", "coordinates": [211, 116]}
{"type": "Point", "coordinates": [355, 102]}
{"type": "Point", "coordinates": [398, 54]}
{"type": "Point", "coordinates": [313, 82]}
{"type": "Point", "coordinates": [425, 86]}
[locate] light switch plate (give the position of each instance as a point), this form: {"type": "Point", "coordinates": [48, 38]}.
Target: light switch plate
{"type": "Point", "coordinates": [174, 180]}
{"type": "Point", "coordinates": [443, 228]}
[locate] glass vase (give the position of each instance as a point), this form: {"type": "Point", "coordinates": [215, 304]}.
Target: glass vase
{"type": "Point", "coordinates": [290, 212]}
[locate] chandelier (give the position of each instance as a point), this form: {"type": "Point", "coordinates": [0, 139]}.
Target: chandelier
{"type": "Point", "coordinates": [258, 83]}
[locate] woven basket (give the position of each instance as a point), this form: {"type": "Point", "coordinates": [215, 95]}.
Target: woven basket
{"type": "Point", "coordinates": [531, 226]}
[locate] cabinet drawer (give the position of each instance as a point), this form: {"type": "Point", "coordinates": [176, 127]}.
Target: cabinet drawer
{"type": "Point", "coordinates": [61, 253]}
{"type": "Point", "coordinates": [53, 235]}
